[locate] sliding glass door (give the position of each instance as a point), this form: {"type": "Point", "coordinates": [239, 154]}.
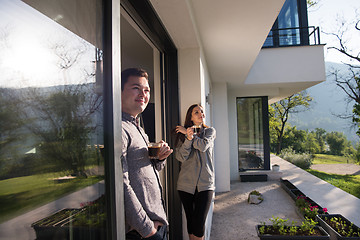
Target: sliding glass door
{"type": "Point", "coordinates": [253, 138]}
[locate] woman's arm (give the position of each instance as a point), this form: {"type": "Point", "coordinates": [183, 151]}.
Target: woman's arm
{"type": "Point", "coordinates": [202, 144]}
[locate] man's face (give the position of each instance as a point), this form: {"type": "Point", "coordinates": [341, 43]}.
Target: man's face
{"type": "Point", "coordinates": [135, 96]}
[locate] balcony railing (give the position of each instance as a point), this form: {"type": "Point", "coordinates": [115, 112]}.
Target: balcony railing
{"type": "Point", "coordinates": [285, 37]}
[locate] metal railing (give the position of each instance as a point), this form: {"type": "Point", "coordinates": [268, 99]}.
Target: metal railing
{"type": "Point", "coordinates": [285, 37]}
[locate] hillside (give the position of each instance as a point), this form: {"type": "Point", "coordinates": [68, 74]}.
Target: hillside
{"type": "Point", "coordinates": [329, 101]}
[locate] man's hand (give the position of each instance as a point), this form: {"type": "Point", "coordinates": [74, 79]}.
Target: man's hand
{"type": "Point", "coordinates": [156, 226]}
{"type": "Point", "coordinates": [165, 150]}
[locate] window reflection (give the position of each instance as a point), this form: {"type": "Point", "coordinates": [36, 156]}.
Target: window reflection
{"type": "Point", "coordinates": [286, 29]}
{"type": "Point", "coordinates": [51, 137]}
{"type": "Point", "coordinates": [250, 133]}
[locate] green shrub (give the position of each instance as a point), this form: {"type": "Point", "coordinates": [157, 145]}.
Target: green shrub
{"type": "Point", "coordinates": [302, 160]}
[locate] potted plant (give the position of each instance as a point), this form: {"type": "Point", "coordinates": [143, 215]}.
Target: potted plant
{"type": "Point", "coordinates": [279, 230]}
{"type": "Point", "coordinates": [339, 227]}
{"type": "Point", "coordinates": [275, 167]}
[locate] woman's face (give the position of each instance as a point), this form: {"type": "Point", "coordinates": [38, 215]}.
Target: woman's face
{"type": "Point", "coordinates": [197, 115]}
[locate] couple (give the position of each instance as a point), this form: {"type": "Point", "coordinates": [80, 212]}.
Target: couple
{"type": "Point", "coordinates": [144, 207]}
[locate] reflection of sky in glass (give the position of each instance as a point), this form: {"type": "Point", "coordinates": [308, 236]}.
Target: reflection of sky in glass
{"type": "Point", "coordinates": [27, 44]}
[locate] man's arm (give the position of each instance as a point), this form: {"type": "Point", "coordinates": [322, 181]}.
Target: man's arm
{"type": "Point", "coordinates": [135, 215]}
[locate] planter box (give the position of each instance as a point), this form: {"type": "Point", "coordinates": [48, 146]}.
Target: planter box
{"type": "Point", "coordinates": [334, 235]}
{"type": "Point", "coordinates": [323, 235]}
{"type": "Point", "coordinates": [59, 226]}
{"type": "Point", "coordinates": [253, 177]}
{"type": "Point", "coordinates": [286, 184]}
{"type": "Point", "coordinates": [295, 193]}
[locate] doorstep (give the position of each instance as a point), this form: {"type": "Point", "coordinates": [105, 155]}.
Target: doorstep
{"type": "Point", "coordinates": [271, 175]}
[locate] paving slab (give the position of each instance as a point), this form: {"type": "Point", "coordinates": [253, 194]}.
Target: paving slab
{"type": "Point", "coordinates": [325, 194]}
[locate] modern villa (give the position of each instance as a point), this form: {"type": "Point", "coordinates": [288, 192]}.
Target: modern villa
{"type": "Point", "coordinates": [61, 64]}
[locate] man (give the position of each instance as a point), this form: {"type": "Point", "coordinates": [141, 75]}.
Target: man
{"type": "Point", "coordinates": [145, 215]}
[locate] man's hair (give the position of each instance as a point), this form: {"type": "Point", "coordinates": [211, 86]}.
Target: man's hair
{"type": "Point", "coordinates": [135, 72]}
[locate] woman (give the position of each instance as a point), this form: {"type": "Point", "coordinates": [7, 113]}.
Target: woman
{"type": "Point", "coordinates": [196, 183]}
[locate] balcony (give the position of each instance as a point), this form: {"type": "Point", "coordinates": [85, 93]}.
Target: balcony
{"type": "Point", "coordinates": [286, 37]}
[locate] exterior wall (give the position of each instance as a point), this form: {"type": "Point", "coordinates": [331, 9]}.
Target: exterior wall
{"type": "Point", "coordinates": [280, 72]}
{"type": "Point", "coordinates": [189, 79]}
{"type": "Point", "coordinates": [194, 79]}
{"type": "Point", "coordinates": [222, 150]}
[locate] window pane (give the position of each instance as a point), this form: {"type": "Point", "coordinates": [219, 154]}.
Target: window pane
{"type": "Point", "coordinates": [51, 142]}
{"type": "Point", "coordinates": [250, 133]}
{"type": "Point", "coordinates": [289, 21]}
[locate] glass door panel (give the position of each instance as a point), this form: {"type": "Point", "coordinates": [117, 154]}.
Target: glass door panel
{"type": "Point", "coordinates": [250, 133]}
{"type": "Point", "coordinates": [51, 146]}
{"type": "Point", "coordinates": [138, 51]}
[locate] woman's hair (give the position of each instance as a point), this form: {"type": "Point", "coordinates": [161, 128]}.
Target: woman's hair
{"type": "Point", "coordinates": [188, 123]}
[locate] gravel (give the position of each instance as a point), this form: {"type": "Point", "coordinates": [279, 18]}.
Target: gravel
{"type": "Point", "coordinates": [234, 218]}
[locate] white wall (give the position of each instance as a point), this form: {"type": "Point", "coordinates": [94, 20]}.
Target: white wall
{"type": "Point", "coordinates": [194, 86]}
{"type": "Point", "coordinates": [296, 64]}
{"type": "Point", "coordinates": [221, 124]}
{"type": "Point", "coordinates": [189, 79]}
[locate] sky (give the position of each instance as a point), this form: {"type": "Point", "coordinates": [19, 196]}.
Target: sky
{"type": "Point", "coordinates": [328, 14]}
{"type": "Point", "coordinates": [27, 45]}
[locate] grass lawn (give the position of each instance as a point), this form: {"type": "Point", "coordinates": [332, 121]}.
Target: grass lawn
{"type": "Point", "coordinates": [348, 183]}
{"type": "Point", "coordinates": [19, 195]}
{"type": "Point", "coordinates": [331, 159]}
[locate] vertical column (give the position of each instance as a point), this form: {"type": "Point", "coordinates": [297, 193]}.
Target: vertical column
{"type": "Point", "coordinates": [222, 149]}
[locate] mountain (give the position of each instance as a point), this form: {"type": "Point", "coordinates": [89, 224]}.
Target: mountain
{"type": "Point", "coordinates": [328, 102]}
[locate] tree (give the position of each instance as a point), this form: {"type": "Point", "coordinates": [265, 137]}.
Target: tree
{"type": "Point", "coordinates": [349, 82]}
{"type": "Point", "coordinates": [320, 136]}
{"type": "Point", "coordinates": [280, 111]}
{"type": "Point", "coordinates": [337, 143]}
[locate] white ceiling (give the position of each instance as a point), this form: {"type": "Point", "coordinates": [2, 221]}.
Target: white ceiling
{"type": "Point", "coordinates": [229, 32]}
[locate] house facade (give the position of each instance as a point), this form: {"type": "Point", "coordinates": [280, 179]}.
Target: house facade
{"type": "Point", "coordinates": [61, 97]}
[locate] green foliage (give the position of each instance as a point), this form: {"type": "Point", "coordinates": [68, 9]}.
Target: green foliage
{"type": "Point", "coordinates": [302, 160]}
{"type": "Point", "coordinates": [331, 159]}
{"type": "Point", "coordinates": [279, 113]}
{"type": "Point", "coordinates": [336, 142]}
{"type": "Point", "coordinates": [10, 124]}
{"type": "Point", "coordinates": [280, 227]}
{"type": "Point", "coordinates": [308, 225]}
{"type": "Point", "coordinates": [342, 226]}
{"type": "Point", "coordinates": [356, 155]}
{"type": "Point", "coordinates": [301, 141]}
{"type": "Point", "coordinates": [315, 142]}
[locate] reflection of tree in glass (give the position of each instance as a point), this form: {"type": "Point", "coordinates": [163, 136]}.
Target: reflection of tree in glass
{"type": "Point", "coordinates": [64, 117]}
{"type": "Point", "coordinates": [10, 123]}
{"type": "Point", "coordinates": [63, 120]}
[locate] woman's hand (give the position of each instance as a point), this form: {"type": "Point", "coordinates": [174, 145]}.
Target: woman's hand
{"type": "Point", "coordinates": [180, 129]}
{"type": "Point", "coordinates": [189, 133]}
